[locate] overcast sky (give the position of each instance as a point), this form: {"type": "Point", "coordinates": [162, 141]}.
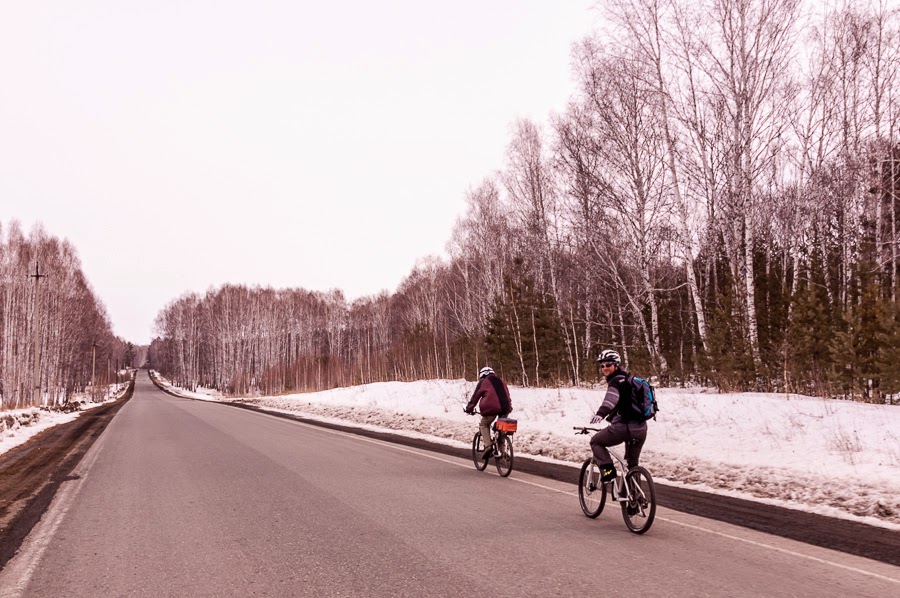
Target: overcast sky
{"type": "Point", "coordinates": [186, 144]}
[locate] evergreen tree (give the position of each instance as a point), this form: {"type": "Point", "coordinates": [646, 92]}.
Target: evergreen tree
{"type": "Point", "coordinates": [128, 358]}
{"type": "Point", "coordinates": [500, 342]}
{"type": "Point", "coordinates": [523, 334]}
{"type": "Point", "coordinates": [888, 360]}
{"type": "Point", "coordinates": [808, 350]}
{"type": "Point", "coordinates": [729, 360]}
{"type": "Point", "coordinates": [861, 351]}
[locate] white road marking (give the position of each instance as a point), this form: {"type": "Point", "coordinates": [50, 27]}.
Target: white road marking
{"type": "Point", "coordinates": [784, 551]}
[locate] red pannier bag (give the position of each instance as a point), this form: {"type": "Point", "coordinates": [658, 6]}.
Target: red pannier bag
{"type": "Point", "coordinates": [507, 425]}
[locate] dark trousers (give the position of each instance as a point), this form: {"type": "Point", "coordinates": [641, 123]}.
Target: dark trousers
{"type": "Point", "coordinates": [632, 434]}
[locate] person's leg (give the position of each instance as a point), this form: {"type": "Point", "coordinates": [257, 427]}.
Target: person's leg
{"type": "Point", "coordinates": [502, 444]}
{"type": "Point", "coordinates": [609, 436]}
{"type": "Point", "coordinates": [637, 434]}
{"type": "Point", "coordinates": [485, 427]}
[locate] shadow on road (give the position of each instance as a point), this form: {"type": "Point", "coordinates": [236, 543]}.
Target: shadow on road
{"type": "Point", "coordinates": [31, 473]}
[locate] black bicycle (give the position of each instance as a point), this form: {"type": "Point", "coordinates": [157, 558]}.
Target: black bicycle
{"type": "Point", "coordinates": [502, 444]}
{"type": "Point", "coordinates": [633, 490]}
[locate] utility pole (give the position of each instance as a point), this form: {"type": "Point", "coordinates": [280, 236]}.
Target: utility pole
{"type": "Point", "coordinates": [108, 376]}
{"type": "Point", "coordinates": [36, 320]}
{"type": "Point", "coordinates": [93, 371]}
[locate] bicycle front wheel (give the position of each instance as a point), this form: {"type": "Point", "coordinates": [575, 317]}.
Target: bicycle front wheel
{"type": "Point", "coordinates": [505, 461]}
{"type": "Point", "coordinates": [640, 508]}
{"type": "Point", "coordinates": [477, 452]}
{"type": "Point", "coordinates": [591, 492]}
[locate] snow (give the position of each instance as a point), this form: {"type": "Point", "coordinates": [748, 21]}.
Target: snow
{"type": "Point", "coordinates": [17, 426]}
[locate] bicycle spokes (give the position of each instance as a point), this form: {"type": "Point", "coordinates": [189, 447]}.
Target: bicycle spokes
{"type": "Point", "coordinates": [504, 460]}
{"type": "Point", "coordinates": [637, 498]}
{"type": "Point", "coordinates": [591, 492]}
{"type": "Point", "coordinates": [639, 505]}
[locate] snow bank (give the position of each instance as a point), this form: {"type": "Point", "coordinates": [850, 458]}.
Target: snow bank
{"type": "Point", "coordinates": [17, 426]}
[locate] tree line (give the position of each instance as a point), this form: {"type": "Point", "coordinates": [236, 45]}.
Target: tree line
{"type": "Point", "coordinates": [719, 201]}
{"type": "Point", "coordinates": [74, 334]}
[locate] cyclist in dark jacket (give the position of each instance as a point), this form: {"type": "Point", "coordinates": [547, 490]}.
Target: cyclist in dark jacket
{"type": "Point", "coordinates": [632, 433]}
{"type": "Point", "coordinates": [493, 395]}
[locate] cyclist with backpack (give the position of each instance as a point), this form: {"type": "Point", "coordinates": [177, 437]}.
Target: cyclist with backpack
{"type": "Point", "coordinates": [626, 425]}
{"type": "Point", "coordinates": [493, 396]}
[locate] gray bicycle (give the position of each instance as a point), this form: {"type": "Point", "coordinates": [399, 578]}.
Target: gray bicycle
{"type": "Point", "coordinates": [632, 488]}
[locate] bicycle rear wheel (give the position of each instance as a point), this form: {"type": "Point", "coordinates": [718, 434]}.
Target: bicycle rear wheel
{"type": "Point", "coordinates": [477, 452]}
{"type": "Point", "coordinates": [640, 509]}
{"type": "Point", "coordinates": [505, 461]}
{"type": "Point", "coordinates": [591, 492]}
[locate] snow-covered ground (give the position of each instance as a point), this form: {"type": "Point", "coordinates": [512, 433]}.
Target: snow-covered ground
{"type": "Point", "coordinates": [18, 425]}
{"type": "Point", "coordinates": [836, 458]}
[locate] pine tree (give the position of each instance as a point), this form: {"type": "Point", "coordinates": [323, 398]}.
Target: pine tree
{"type": "Point", "coordinates": [728, 360]}
{"type": "Point", "coordinates": [523, 334]}
{"type": "Point", "coordinates": [808, 351]}
{"type": "Point", "coordinates": [888, 360]}
{"type": "Point", "coordinates": [499, 341]}
{"type": "Point", "coordinates": [862, 349]}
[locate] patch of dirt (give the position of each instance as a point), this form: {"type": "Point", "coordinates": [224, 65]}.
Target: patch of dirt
{"type": "Point", "coordinates": [31, 473]}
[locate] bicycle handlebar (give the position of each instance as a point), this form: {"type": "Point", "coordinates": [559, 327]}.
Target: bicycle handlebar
{"type": "Point", "coordinates": [584, 429]}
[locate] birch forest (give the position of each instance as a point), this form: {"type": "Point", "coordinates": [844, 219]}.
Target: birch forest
{"type": "Point", "coordinates": [718, 202]}
{"type": "Point", "coordinates": [74, 336]}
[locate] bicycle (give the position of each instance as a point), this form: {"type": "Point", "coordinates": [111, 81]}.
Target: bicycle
{"type": "Point", "coordinates": [503, 450]}
{"type": "Point", "coordinates": [634, 490]}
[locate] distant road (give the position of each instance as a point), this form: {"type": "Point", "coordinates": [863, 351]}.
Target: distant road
{"type": "Point", "coordinates": [188, 498]}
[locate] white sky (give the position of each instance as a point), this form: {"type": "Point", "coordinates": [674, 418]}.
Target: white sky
{"type": "Point", "coordinates": [183, 145]}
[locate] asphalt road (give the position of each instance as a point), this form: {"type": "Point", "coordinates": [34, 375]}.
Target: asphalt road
{"type": "Point", "coordinates": [187, 498]}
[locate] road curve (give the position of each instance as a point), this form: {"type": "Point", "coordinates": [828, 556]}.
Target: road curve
{"type": "Point", "coordinates": [187, 498]}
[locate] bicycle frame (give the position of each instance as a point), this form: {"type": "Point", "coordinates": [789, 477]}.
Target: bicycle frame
{"type": "Point", "coordinates": [619, 480]}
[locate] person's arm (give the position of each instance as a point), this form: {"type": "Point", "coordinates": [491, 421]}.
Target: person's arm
{"type": "Point", "coordinates": [476, 396]}
{"type": "Point", "coordinates": [508, 397]}
{"type": "Point", "coordinates": [609, 401]}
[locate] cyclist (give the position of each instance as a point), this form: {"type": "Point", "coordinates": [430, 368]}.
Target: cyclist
{"type": "Point", "coordinates": [632, 433]}
{"type": "Point", "coordinates": [494, 397]}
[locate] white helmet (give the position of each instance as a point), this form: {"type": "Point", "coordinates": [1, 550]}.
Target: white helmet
{"type": "Point", "coordinates": [608, 355]}
{"type": "Point", "coordinates": [484, 372]}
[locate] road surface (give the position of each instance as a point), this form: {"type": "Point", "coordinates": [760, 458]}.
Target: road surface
{"type": "Point", "coordinates": [192, 498]}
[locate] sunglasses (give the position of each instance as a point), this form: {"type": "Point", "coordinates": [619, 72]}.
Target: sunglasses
{"type": "Point", "coordinates": [608, 364]}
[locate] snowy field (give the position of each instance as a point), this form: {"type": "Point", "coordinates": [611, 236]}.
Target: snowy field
{"type": "Point", "coordinates": [836, 458]}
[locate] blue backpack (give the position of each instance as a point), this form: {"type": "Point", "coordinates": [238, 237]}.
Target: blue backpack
{"type": "Point", "coordinates": [643, 405]}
